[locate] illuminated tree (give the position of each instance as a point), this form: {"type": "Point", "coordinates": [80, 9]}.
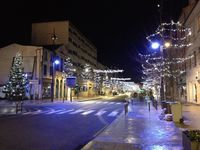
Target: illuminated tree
{"type": "Point", "coordinates": [17, 84]}
{"type": "Point", "coordinates": [167, 65]}
{"type": "Point", "coordinates": [87, 73]}
{"type": "Point", "coordinates": [97, 81]}
{"type": "Point", "coordinates": [68, 67]}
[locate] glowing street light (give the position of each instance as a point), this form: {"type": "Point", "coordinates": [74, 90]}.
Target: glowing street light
{"type": "Point", "coordinates": [155, 45]}
{"type": "Point", "coordinates": [56, 62]}
{"type": "Point", "coordinates": [167, 44]}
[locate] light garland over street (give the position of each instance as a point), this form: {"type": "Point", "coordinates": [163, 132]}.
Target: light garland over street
{"type": "Point", "coordinates": [107, 71]}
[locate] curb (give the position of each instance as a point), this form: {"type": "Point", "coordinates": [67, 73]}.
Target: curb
{"type": "Point", "coordinates": [87, 99]}
{"type": "Point", "coordinates": [87, 146]}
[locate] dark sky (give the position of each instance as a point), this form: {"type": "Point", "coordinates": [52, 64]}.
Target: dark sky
{"type": "Point", "coordinates": [116, 27]}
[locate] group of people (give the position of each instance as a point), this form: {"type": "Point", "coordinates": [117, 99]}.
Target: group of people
{"type": "Point", "coordinates": [131, 100]}
{"type": "Point", "coordinates": [127, 101]}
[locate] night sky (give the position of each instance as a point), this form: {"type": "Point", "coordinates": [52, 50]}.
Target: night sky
{"type": "Point", "coordinates": [116, 27]}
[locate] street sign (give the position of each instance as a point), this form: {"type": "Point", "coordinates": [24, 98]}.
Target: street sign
{"type": "Point", "coordinates": [71, 81]}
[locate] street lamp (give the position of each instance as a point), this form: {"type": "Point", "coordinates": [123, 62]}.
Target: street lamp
{"type": "Point", "coordinates": [167, 44]}
{"type": "Point", "coordinates": [156, 45]}
{"type": "Point", "coordinates": [55, 62]}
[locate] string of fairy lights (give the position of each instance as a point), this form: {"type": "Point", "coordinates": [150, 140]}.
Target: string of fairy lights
{"type": "Point", "coordinates": [107, 71]}
{"type": "Point", "coordinates": [156, 67]}
{"type": "Point", "coordinates": [175, 33]}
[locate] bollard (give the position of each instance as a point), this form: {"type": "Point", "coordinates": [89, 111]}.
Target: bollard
{"type": "Point", "coordinates": [156, 105]}
{"type": "Point", "coordinates": [149, 105]}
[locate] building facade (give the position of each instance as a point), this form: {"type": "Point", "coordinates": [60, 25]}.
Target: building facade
{"type": "Point", "coordinates": [32, 58]}
{"type": "Point", "coordinates": [71, 43]}
{"type": "Point", "coordinates": [52, 41]}
{"type": "Point", "coordinates": [190, 17]}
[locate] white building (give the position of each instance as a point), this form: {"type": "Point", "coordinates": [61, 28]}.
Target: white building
{"type": "Point", "coordinates": [190, 17]}
{"type": "Point", "coordinates": [32, 58]}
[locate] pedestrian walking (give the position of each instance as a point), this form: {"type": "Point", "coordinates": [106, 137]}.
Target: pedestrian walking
{"type": "Point", "coordinates": [126, 107]}
{"type": "Point", "coordinates": [132, 99]}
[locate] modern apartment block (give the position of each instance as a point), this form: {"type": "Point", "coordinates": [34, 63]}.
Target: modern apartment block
{"type": "Point", "coordinates": [65, 40]}
{"type": "Point", "coordinates": [64, 33]}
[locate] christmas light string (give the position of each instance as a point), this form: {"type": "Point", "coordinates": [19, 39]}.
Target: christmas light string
{"type": "Point", "coordinates": [121, 79]}
{"type": "Point", "coordinates": [107, 71]}
{"type": "Point", "coordinates": [169, 32]}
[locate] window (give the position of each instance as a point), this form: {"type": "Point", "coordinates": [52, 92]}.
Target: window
{"type": "Point", "coordinates": [75, 53]}
{"type": "Point", "coordinates": [198, 24]}
{"type": "Point", "coordinates": [70, 30]}
{"type": "Point", "coordinates": [61, 64]}
{"type": "Point", "coordinates": [75, 44]}
{"type": "Point", "coordinates": [70, 51]}
{"type": "Point", "coordinates": [51, 70]}
{"type": "Point", "coordinates": [195, 59]}
{"type": "Point", "coordinates": [45, 70]}
{"type": "Point", "coordinates": [70, 39]}
{"type": "Point", "coordinates": [84, 88]}
{"type": "Point", "coordinates": [198, 56]}
{"type": "Point", "coordinates": [45, 56]}
{"type": "Point", "coordinates": [51, 58]}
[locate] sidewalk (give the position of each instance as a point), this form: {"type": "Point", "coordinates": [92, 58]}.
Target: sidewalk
{"type": "Point", "coordinates": [191, 116]}
{"type": "Point", "coordinates": [139, 130]}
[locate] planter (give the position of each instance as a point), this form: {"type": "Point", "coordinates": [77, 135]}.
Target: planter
{"type": "Point", "coordinates": [191, 139]}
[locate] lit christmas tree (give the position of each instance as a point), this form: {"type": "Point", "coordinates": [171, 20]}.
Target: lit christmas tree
{"type": "Point", "coordinates": [87, 73]}
{"type": "Point", "coordinates": [68, 67]}
{"type": "Point", "coordinates": [106, 81]}
{"type": "Point", "coordinates": [17, 84]}
{"type": "Point", "coordinates": [97, 81]}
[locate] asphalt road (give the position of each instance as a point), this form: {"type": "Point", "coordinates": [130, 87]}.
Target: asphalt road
{"type": "Point", "coordinates": [57, 126]}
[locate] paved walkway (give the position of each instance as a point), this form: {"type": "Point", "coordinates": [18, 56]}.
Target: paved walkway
{"type": "Point", "coordinates": [138, 130]}
{"type": "Point", "coordinates": [191, 116]}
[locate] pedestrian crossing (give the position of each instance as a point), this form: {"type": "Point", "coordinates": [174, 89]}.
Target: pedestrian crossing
{"type": "Point", "coordinates": [102, 102]}
{"type": "Point", "coordinates": [82, 112]}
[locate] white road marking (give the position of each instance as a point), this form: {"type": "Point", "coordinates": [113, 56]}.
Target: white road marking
{"type": "Point", "coordinates": [36, 112]}
{"type": "Point", "coordinates": [66, 111]}
{"type": "Point", "coordinates": [77, 111]}
{"type": "Point", "coordinates": [118, 103]}
{"type": "Point", "coordinates": [87, 112]}
{"type": "Point", "coordinates": [53, 111]}
{"type": "Point", "coordinates": [13, 110]}
{"type": "Point", "coordinates": [28, 112]}
{"type": "Point", "coordinates": [113, 114]}
{"type": "Point", "coordinates": [99, 113]}
{"type": "Point", "coordinates": [40, 112]}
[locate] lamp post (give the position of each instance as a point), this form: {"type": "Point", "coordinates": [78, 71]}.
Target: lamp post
{"type": "Point", "coordinates": [55, 62]}
{"type": "Point", "coordinates": [157, 45]}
